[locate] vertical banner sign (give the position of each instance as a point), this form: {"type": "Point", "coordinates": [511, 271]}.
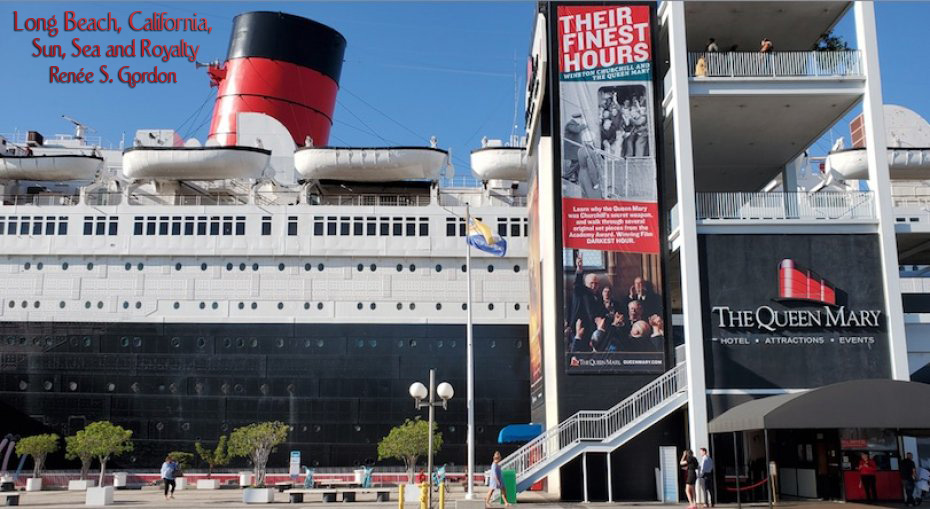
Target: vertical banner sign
{"type": "Point", "coordinates": [294, 466]}
{"type": "Point", "coordinates": [535, 333]}
{"type": "Point", "coordinates": [614, 316]}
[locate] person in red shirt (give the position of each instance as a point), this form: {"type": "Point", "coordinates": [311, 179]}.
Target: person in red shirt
{"type": "Point", "coordinates": [867, 469]}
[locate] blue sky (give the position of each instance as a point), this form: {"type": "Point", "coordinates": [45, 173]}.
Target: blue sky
{"type": "Point", "coordinates": [412, 70]}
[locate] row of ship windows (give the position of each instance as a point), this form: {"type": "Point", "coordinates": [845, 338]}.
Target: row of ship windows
{"type": "Point", "coordinates": [254, 305]}
{"type": "Point", "coordinates": [242, 266]}
{"type": "Point", "coordinates": [136, 342]}
{"type": "Point", "coordinates": [235, 225]}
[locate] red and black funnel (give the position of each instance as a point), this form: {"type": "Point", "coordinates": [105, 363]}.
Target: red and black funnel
{"type": "Point", "coordinates": [284, 66]}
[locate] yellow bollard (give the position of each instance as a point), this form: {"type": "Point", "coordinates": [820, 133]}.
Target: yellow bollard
{"type": "Point", "coordinates": [442, 495]}
{"type": "Point", "coordinates": [424, 495]}
{"type": "Point", "coordinates": [400, 496]}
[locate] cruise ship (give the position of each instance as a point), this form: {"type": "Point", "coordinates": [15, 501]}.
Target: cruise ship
{"type": "Point", "coordinates": [183, 289]}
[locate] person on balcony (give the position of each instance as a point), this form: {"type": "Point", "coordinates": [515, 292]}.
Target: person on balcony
{"type": "Point", "coordinates": [711, 46]}
{"type": "Point", "coordinates": [767, 46]}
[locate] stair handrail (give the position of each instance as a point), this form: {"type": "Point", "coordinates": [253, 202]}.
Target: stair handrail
{"type": "Point", "coordinates": [596, 424]}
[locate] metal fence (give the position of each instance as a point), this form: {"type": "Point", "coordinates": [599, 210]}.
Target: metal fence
{"type": "Point", "coordinates": [779, 64]}
{"type": "Point", "coordinates": [781, 205]}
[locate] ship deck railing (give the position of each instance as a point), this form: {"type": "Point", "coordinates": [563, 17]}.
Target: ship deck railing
{"type": "Point", "coordinates": [777, 64]}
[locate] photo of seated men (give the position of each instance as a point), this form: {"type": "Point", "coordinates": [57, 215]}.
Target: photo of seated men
{"type": "Point", "coordinates": [614, 309]}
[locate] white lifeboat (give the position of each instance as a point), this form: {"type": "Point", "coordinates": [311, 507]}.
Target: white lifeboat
{"type": "Point", "coordinates": [499, 163]}
{"type": "Point", "coordinates": [379, 164]}
{"type": "Point", "coordinates": [195, 163]}
{"type": "Point", "coordinates": [49, 167]}
{"type": "Point", "coordinates": [903, 163]}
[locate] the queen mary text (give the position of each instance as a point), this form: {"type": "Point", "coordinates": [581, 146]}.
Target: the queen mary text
{"type": "Point", "coordinates": [602, 38]}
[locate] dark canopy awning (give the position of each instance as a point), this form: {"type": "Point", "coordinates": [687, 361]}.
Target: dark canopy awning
{"type": "Point", "coordinates": [855, 404]}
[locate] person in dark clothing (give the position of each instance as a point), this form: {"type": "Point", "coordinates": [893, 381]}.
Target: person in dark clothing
{"type": "Point", "coordinates": [908, 472]}
{"type": "Point", "coordinates": [570, 145]}
{"type": "Point", "coordinates": [867, 469]}
{"type": "Point", "coordinates": [586, 302]}
{"type": "Point", "coordinates": [690, 465]}
{"type": "Point", "coordinates": [641, 291]}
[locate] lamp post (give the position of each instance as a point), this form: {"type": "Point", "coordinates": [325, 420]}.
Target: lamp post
{"type": "Point", "coordinates": [420, 393]}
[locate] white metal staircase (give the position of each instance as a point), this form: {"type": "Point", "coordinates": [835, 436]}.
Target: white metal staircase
{"type": "Point", "coordinates": [598, 431]}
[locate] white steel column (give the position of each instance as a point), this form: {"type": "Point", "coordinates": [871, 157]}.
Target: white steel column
{"type": "Point", "coordinates": [688, 252]}
{"type": "Point", "coordinates": [880, 184]}
{"type": "Point", "coordinates": [584, 474]}
{"type": "Point", "coordinates": [610, 481]}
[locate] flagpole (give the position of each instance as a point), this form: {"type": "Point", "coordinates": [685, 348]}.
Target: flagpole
{"type": "Point", "coordinates": [470, 368]}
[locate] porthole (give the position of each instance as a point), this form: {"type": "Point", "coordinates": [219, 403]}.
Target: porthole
{"type": "Point", "coordinates": [137, 342]}
{"type": "Point", "coordinates": [203, 305]}
{"type": "Point", "coordinates": [412, 343]}
{"type": "Point", "coordinates": [239, 388]}
{"type": "Point", "coordinates": [47, 385]}
{"type": "Point", "coordinates": [490, 268]}
{"type": "Point", "coordinates": [27, 265]}
{"type": "Point", "coordinates": [128, 266]}
{"type": "Point", "coordinates": [359, 306]}
{"type": "Point", "coordinates": [203, 266]}
{"type": "Point", "coordinates": [452, 344]}
{"type": "Point", "coordinates": [464, 306]}
{"type": "Point", "coordinates": [64, 266]}
{"type": "Point", "coordinates": [490, 307]}
{"type": "Point", "coordinates": [493, 344]}
{"type": "Point", "coordinates": [319, 267]}
{"type": "Point", "coordinates": [12, 304]}
{"type": "Point", "coordinates": [111, 387]}
{"type": "Point", "coordinates": [227, 342]}
{"type": "Point", "coordinates": [358, 428]}
{"type": "Point", "coordinates": [399, 267]}
{"type": "Point", "coordinates": [140, 266]}
{"type": "Point", "coordinates": [413, 268]}
{"type": "Point", "coordinates": [159, 426]}
{"type": "Point", "coordinates": [281, 267]}
{"type": "Point", "coordinates": [241, 266]}
{"type": "Point", "coordinates": [464, 268]}
{"type": "Point", "coordinates": [372, 267]}
{"type": "Point", "coordinates": [138, 305]}
{"type": "Point", "coordinates": [99, 304]}
{"type": "Point", "coordinates": [176, 305]}
{"type": "Point", "coordinates": [359, 343]}
{"type": "Point", "coordinates": [306, 305]}
{"type": "Point", "coordinates": [35, 304]}
{"type": "Point", "coordinates": [306, 267]}
{"type": "Point", "coordinates": [125, 304]}
{"type": "Point", "coordinates": [291, 389]}
{"type": "Point", "coordinates": [254, 343]}
{"type": "Point", "coordinates": [214, 305]}
{"type": "Point", "coordinates": [320, 343]}
{"type": "Point", "coordinates": [360, 267]}
{"type": "Point", "coordinates": [241, 305]}
{"type": "Point", "coordinates": [372, 343]}
{"type": "Point", "coordinates": [240, 342]}
{"type": "Point", "coordinates": [516, 268]}
{"type": "Point", "coordinates": [254, 305]}
{"type": "Point", "coordinates": [229, 266]}
{"type": "Point", "coordinates": [86, 305]}
{"type": "Point", "coordinates": [372, 306]}
{"type": "Point", "coordinates": [400, 344]}
{"type": "Point", "coordinates": [400, 306]}
{"type": "Point", "coordinates": [177, 266]}
{"type": "Point", "coordinates": [255, 267]}
{"type": "Point", "coordinates": [280, 343]}
{"type": "Point", "coordinates": [61, 304]}
{"type": "Point", "coordinates": [438, 268]}
{"type": "Point", "coordinates": [72, 386]}
{"type": "Point", "coordinates": [201, 342]}
{"type": "Point", "coordinates": [124, 341]}
{"type": "Point", "coordinates": [25, 304]}
{"type": "Point", "coordinates": [518, 344]}
{"type": "Point", "coordinates": [280, 305]}
{"type": "Point", "coordinates": [412, 306]}
{"type": "Point", "coordinates": [439, 344]}
{"type": "Point", "coordinates": [438, 306]}
{"type": "Point", "coordinates": [86, 340]}
{"type": "Point", "coordinates": [23, 385]}
{"type": "Point", "coordinates": [319, 305]}
{"type": "Point", "coordinates": [176, 342]}
{"type": "Point", "coordinates": [39, 266]}
{"type": "Point", "coordinates": [186, 426]}
{"type": "Point", "coordinates": [90, 266]}
{"type": "Point", "coordinates": [316, 428]}
{"type": "Point", "coordinates": [516, 307]}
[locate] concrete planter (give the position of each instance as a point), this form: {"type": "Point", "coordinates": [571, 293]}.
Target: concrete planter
{"type": "Point", "coordinates": [180, 483]}
{"type": "Point", "coordinates": [99, 496]}
{"type": "Point", "coordinates": [34, 484]}
{"type": "Point", "coordinates": [258, 495]}
{"type": "Point", "coordinates": [208, 484]}
{"type": "Point", "coordinates": [245, 479]}
{"type": "Point", "coordinates": [119, 479]}
{"type": "Point", "coordinates": [79, 485]}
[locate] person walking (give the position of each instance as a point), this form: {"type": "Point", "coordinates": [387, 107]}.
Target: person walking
{"type": "Point", "coordinates": [168, 470]}
{"type": "Point", "coordinates": [496, 482]}
{"type": "Point", "coordinates": [867, 469]}
{"type": "Point", "coordinates": [690, 465]}
{"type": "Point", "coordinates": [908, 472]}
{"type": "Point", "coordinates": [705, 479]}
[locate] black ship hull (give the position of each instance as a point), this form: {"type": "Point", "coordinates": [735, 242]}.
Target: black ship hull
{"type": "Point", "coordinates": [341, 387]}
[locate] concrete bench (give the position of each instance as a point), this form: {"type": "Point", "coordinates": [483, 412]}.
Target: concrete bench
{"type": "Point", "coordinates": [348, 494]}
{"type": "Point", "coordinates": [283, 486]}
{"type": "Point", "coordinates": [10, 497]}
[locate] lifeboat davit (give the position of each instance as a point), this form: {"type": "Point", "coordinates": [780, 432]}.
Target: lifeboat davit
{"type": "Point", "coordinates": [382, 164]}
{"type": "Point", "coordinates": [903, 163]}
{"type": "Point", "coordinates": [49, 167]}
{"type": "Point", "coordinates": [195, 163]}
{"type": "Point", "coordinates": [499, 163]}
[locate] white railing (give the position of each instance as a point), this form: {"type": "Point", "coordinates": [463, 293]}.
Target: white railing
{"type": "Point", "coordinates": [595, 425]}
{"type": "Point", "coordinates": [747, 206]}
{"type": "Point", "coordinates": [778, 64]}
{"type": "Point", "coordinates": [371, 200]}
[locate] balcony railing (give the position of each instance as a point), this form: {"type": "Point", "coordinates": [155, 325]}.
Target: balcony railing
{"type": "Point", "coordinates": [779, 64]}
{"type": "Point", "coordinates": [750, 206]}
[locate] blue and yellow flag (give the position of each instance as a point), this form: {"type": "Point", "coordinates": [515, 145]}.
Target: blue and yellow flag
{"type": "Point", "coordinates": [481, 237]}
